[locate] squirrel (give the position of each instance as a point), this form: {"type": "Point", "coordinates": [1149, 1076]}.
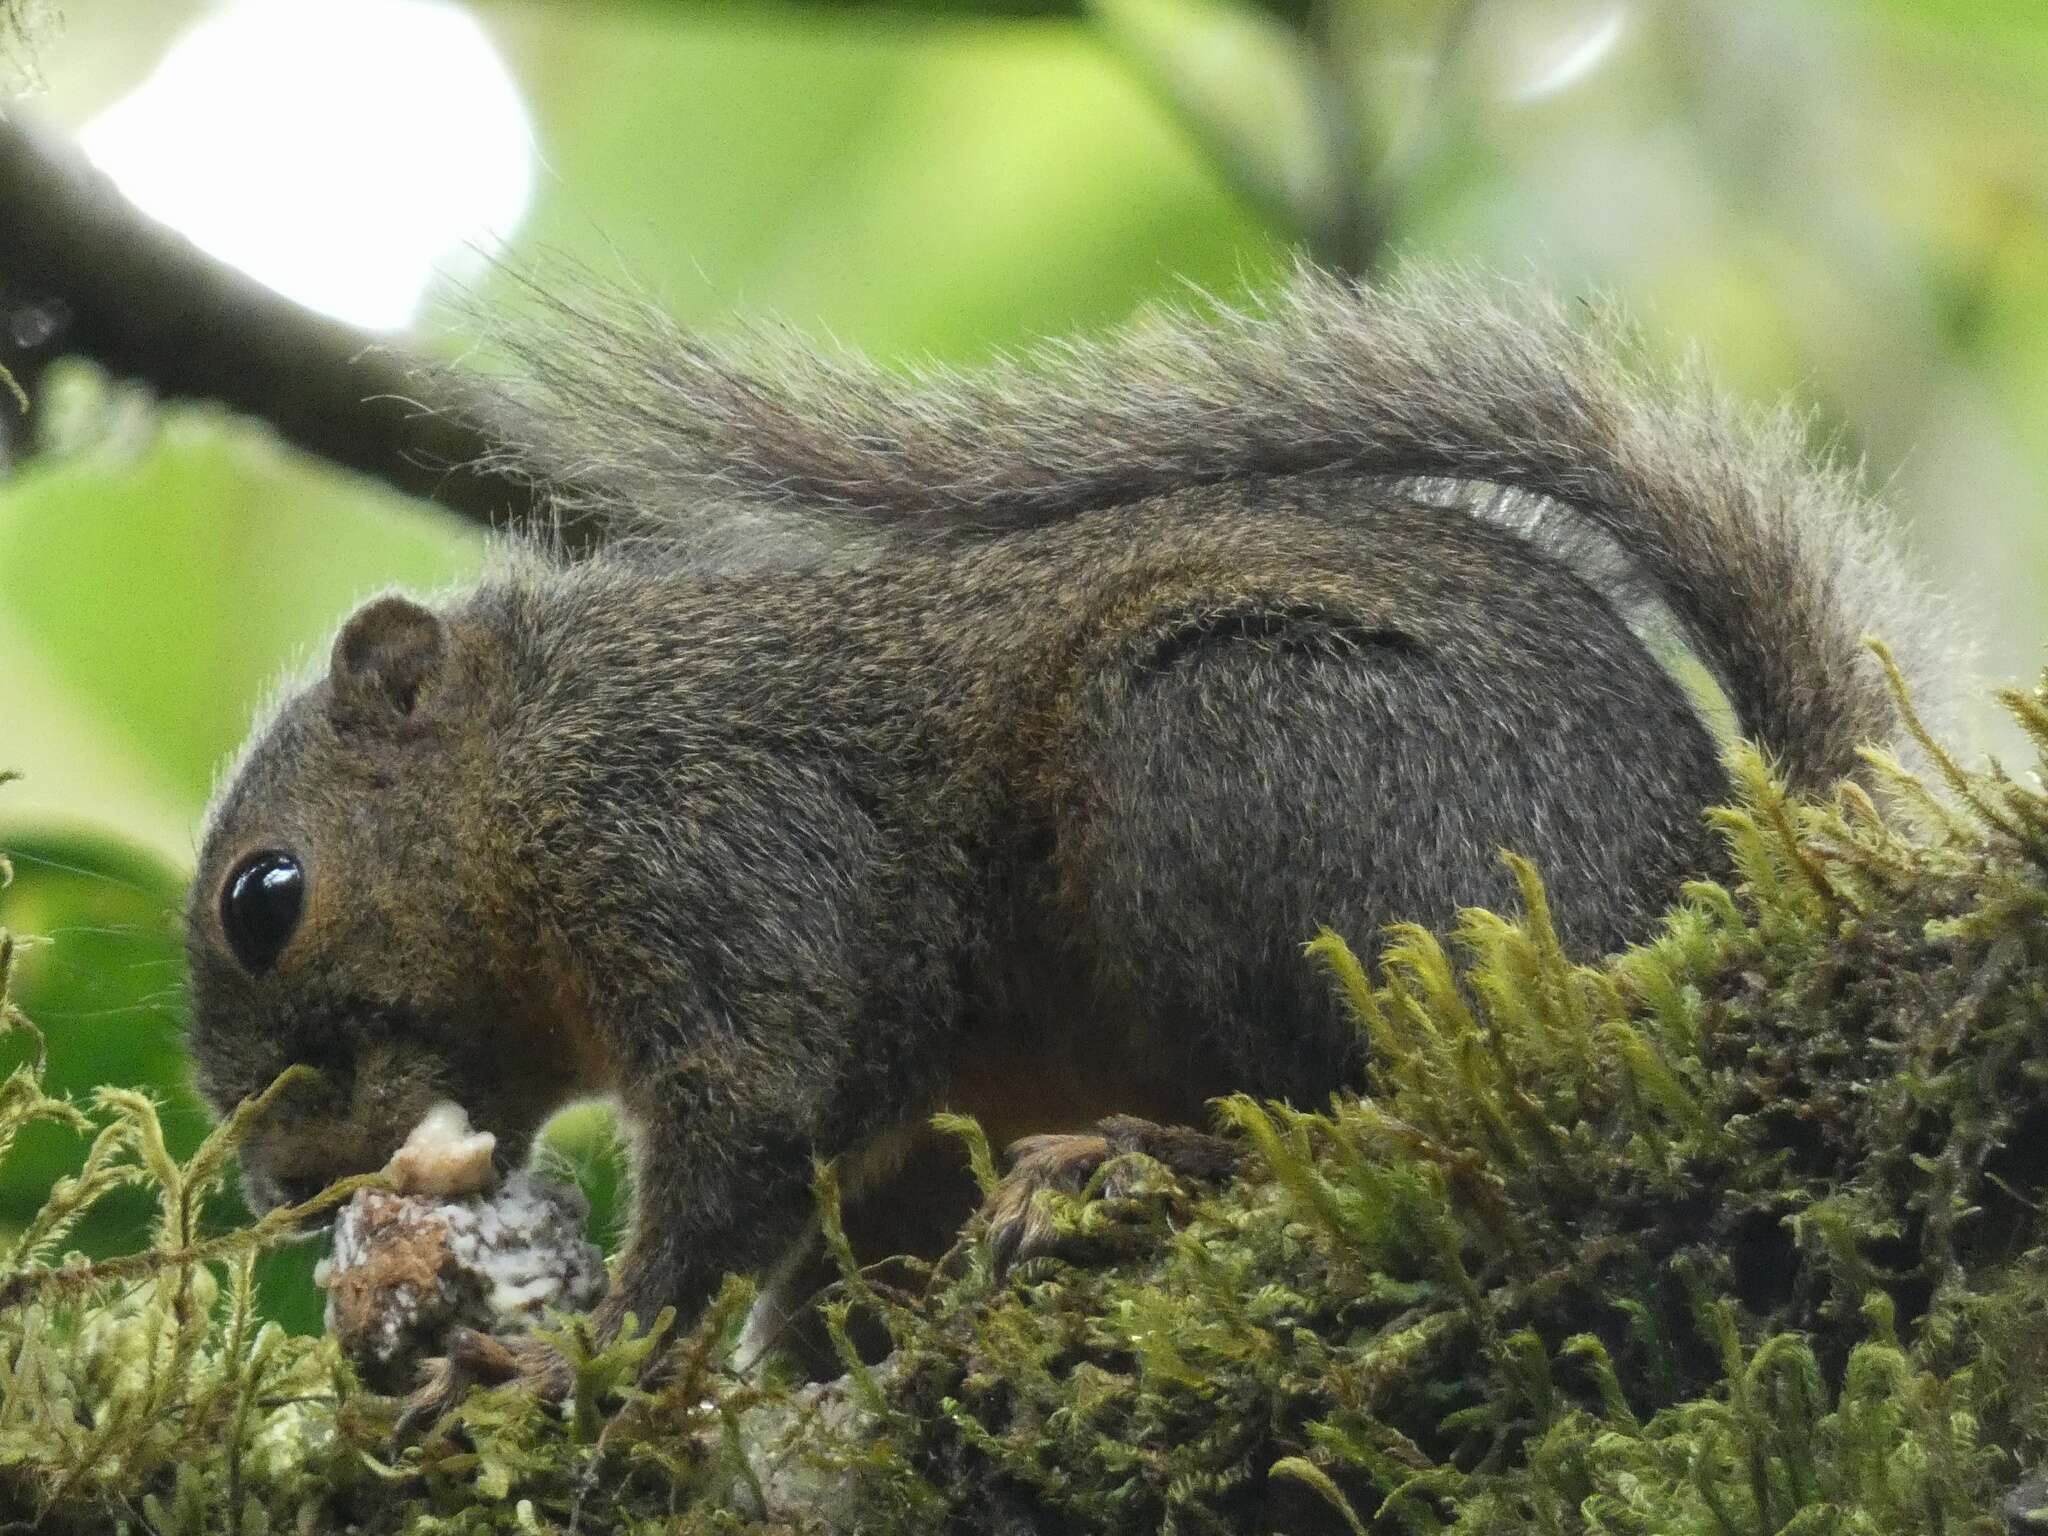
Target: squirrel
{"type": "Point", "coordinates": [994, 742]}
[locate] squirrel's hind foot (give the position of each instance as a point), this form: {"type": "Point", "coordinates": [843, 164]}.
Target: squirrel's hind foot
{"type": "Point", "coordinates": [477, 1359]}
{"type": "Point", "coordinates": [1020, 1223]}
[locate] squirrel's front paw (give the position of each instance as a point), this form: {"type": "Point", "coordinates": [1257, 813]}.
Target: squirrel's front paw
{"type": "Point", "coordinates": [482, 1360]}
{"type": "Point", "coordinates": [1021, 1227]}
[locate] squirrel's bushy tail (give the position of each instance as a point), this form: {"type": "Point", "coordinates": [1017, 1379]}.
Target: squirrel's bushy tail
{"type": "Point", "coordinates": [1766, 560]}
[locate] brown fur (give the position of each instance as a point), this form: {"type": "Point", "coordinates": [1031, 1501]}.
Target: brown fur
{"type": "Point", "coordinates": [996, 743]}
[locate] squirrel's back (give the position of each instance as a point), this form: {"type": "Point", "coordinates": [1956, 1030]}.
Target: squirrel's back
{"type": "Point", "coordinates": [1149, 749]}
{"type": "Point", "coordinates": [764, 450]}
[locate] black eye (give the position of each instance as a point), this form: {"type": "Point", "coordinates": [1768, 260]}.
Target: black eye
{"type": "Point", "coordinates": [259, 907]}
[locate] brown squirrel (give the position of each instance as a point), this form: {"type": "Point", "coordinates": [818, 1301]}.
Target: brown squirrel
{"type": "Point", "coordinates": [994, 742]}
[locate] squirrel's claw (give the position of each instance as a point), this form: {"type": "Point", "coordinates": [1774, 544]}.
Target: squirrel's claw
{"type": "Point", "coordinates": [1019, 1225]}
{"type": "Point", "coordinates": [481, 1360]}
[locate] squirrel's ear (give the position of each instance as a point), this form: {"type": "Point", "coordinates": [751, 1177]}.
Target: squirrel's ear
{"type": "Point", "coordinates": [387, 656]}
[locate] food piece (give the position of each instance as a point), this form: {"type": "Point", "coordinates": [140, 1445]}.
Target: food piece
{"type": "Point", "coordinates": [409, 1268]}
{"type": "Point", "coordinates": [443, 1156]}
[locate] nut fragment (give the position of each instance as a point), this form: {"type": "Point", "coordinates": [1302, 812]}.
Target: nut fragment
{"type": "Point", "coordinates": [408, 1268]}
{"type": "Point", "coordinates": [443, 1156]}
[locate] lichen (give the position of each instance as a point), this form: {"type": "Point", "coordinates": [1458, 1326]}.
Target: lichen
{"type": "Point", "coordinates": [405, 1269]}
{"type": "Point", "coordinates": [1738, 1232]}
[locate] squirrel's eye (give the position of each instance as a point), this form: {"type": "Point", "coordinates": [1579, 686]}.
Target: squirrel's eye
{"type": "Point", "coordinates": [259, 907]}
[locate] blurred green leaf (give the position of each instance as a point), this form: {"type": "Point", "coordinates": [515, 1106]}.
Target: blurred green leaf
{"type": "Point", "coordinates": [949, 10]}
{"type": "Point", "coordinates": [168, 590]}
{"type": "Point", "coordinates": [2017, 21]}
{"type": "Point", "coordinates": [103, 979]}
{"type": "Point", "coordinates": [584, 1141]}
{"type": "Point", "coordinates": [915, 190]}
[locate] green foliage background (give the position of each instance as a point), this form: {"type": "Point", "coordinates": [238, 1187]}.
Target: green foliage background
{"type": "Point", "coordinates": [1847, 198]}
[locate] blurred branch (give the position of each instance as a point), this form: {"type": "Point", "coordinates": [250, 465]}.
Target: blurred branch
{"type": "Point", "coordinates": [1274, 95]}
{"type": "Point", "coordinates": [1253, 91]}
{"type": "Point", "coordinates": [1296, 11]}
{"type": "Point", "coordinates": [1351, 228]}
{"type": "Point", "coordinates": [985, 10]}
{"type": "Point", "coordinates": [1385, 186]}
{"type": "Point", "coordinates": [1267, 88]}
{"type": "Point", "coordinates": [83, 271]}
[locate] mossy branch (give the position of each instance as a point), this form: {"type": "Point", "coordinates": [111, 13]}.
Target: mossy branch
{"type": "Point", "coordinates": [1745, 1230]}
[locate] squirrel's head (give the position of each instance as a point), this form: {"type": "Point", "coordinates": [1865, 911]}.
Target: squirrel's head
{"type": "Point", "coordinates": [358, 909]}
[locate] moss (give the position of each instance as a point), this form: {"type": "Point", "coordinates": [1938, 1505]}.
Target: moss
{"type": "Point", "coordinates": [1739, 1232]}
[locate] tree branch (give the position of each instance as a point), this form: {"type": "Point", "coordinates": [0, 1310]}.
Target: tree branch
{"type": "Point", "coordinates": [84, 271]}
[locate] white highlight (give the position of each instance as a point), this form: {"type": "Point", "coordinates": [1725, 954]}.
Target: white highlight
{"type": "Point", "coordinates": [1559, 62]}
{"type": "Point", "coordinates": [343, 152]}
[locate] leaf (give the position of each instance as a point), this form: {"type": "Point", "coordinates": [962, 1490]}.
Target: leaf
{"type": "Point", "coordinates": [167, 592]}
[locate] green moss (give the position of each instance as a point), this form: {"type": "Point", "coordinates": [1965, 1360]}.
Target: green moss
{"type": "Point", "coordinates": [1739, 1232]}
